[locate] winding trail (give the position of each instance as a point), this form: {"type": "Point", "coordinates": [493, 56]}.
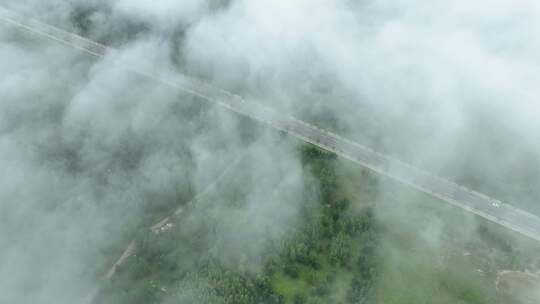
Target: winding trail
{"type": "Point", "coordinates": [162, 225]}
{"type": "Point", "coordinates": [480, 204]}
{"type": "Point", "coordinates": [168, 221]}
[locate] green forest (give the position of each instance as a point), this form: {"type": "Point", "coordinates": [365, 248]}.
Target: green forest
{"type": "Point", "coordinates": [344, 249]}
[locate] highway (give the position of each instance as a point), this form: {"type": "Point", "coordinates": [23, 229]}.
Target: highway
{"type": "Point", "coordinates": [491, 209]}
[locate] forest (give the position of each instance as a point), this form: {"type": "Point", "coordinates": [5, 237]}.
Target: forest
{"type": "Point", "coordinates": [343, 249]}
{"type": "Point", "coordinates": [331, 248]}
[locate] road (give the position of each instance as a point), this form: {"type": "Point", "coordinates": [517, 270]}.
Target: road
{"type": "Point", "coordinates": [491, 209]}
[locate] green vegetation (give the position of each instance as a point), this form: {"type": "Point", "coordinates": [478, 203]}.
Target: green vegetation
{"type": "Point", "coordinates": [329, 257]}
{"type": "Point", "coordinates": [350, 245]}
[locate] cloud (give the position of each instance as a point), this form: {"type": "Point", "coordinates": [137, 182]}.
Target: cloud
{"type": "Point", "coordinates": [164, 14]}
{"type": "Point", "coordinates": [447, 86]}
{"type": "Point", "coordinates": [86, 146]}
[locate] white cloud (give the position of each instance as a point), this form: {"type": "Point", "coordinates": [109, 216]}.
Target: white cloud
{"type": "Point", "coordinates": [164, 14]}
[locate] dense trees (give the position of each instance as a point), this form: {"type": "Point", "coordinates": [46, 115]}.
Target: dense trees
{"type": "Point", "coordinates": [330, 257]}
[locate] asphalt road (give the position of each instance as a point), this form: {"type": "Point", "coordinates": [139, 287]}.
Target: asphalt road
{"type": "Point", "coordinates": [491, 209]}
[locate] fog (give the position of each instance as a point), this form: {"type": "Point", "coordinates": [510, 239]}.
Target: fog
{"type": "Point", "coordinates": [451, 87]}
{"type": "Point", "coordinates": [86, 146]}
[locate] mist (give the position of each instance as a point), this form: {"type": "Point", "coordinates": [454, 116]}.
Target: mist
{"type": "Point", "coordinates": [450, 87]}
{"type": "Point", "coordinates": [86, 147]}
